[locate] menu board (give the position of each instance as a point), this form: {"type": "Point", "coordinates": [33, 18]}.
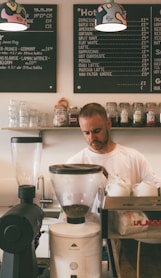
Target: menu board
{"type": "Point", "coordinates": [28, 58]}
{"type": "Point", "coordinates": [128, 61]}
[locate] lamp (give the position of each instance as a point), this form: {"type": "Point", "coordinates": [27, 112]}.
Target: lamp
{"type": "Point", "coordinates": [110, 17]}
{"type": "Point", "coordinates": [12, 17]}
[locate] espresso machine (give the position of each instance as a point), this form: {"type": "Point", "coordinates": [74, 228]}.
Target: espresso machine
{"type": "Point", "coordinates": [20, 225]}
{"type": "Point", "coordinates": [75, 243]}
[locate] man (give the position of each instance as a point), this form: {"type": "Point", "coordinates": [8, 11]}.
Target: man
{"type": "Point", "coordinates": [127, 163]}
{"type": "Point", "coordinates": [118, 160]}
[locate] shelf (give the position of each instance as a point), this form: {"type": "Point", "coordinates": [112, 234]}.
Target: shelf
{"type": "Point", "coordinates": [73, 128]}
{"type": "Point", "coordinates": [40, 128]}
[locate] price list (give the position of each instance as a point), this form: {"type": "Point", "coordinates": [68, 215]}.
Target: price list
{"type": "Point", "coordinates": [28, 58]}
{"type": "Point", "coordinates": [156, 65]}
{"type": "Point", "coordinates": [120, 62]}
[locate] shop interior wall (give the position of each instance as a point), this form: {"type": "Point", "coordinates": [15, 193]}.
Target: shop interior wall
{"type": "Point", "coordinates": [59, 145]}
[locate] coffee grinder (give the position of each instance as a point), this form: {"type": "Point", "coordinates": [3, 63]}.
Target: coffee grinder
{"type": "Point", "coordinates": [75, 244]}
{"type": "Point", "coordinates": [20, 226]}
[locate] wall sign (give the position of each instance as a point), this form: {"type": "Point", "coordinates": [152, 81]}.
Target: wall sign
{"type": "Point", "coordinates": [121, 62]}
{"type": "Point", "coordinates": [28, 59]}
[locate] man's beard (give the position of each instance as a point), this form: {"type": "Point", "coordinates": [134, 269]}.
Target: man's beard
{"type": "Point", "coordinates": [99, 145]}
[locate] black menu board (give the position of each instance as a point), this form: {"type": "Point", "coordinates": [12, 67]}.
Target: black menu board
{"type": "Point", "coordinates": [28, 58]}
{"type": "Point", "coordinates": [120, 62]}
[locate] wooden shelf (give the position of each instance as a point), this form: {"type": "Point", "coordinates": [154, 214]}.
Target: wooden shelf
{"type": "Point", "coordinates": [73, 128]}
{"type": "Point", "coordinates": [40, 128]}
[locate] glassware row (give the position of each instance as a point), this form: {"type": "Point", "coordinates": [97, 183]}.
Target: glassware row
{"type": "Point", "coordinates": [122, 114]}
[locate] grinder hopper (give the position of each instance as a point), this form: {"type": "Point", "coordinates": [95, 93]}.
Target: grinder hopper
{"type": "Point", "coordinates": [76, 186]}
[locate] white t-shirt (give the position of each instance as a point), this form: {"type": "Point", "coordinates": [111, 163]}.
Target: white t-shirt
{"type": "Point", "coordinates": [127, 163]}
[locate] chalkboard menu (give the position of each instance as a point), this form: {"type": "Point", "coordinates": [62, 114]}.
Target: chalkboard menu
{"type": "Point", "coordinates": [121, 62]}
{"type": "Point", "coordinates": [28, 58]}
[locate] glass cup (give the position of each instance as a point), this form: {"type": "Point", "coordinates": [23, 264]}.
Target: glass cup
{"type": "Point", "coordinates": [44, 119]}
{"type": "Point", "coordinates": [33, 118]}
{"type": "Point", "coordinates": [23, 114]}
{"type": "Point", "coordinates": [13, 113]}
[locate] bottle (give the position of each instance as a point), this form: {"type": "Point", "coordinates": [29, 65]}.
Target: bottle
{"type": "Point", "coordinates": [125, 114]}
{"type": "Point", "coordinates": [73, 113]}
{"type": "Point", "coordinates": [138, 120]}
{"type": "Point", "coordinates": [13, 113]}
{"type": "Point", "coordinates": [112, 113]}
{"type": "Point", "coordinates": [150, 114]}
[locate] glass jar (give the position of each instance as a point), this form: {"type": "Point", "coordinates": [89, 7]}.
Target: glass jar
{"type": "Point", "coordinates": [73, 113]}
{"type": "Point", "coordinates": [60, 116]}
{"type": "Point", "coordinates": [138, 116]}
{"type": "Point", "coordinates": [150, 114]}
{"type": "Point", "coordinates": [112, 113]}
{"type": "Point", "coordinates": [125, 114]}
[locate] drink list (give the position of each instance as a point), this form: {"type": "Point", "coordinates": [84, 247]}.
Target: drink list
{"type": "Point", "coordinates": [120, 62]}
{"type": "Point", "coordinates": [28, 58]}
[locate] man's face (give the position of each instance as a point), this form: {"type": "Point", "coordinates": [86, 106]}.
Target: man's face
{"type": "Point", "coordinates": [95, 131]}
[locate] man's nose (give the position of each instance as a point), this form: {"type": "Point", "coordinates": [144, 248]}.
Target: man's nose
{"type": "Point", "coordinates": [92, 135]}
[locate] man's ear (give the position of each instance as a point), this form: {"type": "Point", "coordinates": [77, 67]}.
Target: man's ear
{"type": "Point", "coordinates": [109, 123]}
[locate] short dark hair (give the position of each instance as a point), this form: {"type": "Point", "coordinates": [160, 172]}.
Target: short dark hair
{"type": "Point", "coordinates": [92, 109]}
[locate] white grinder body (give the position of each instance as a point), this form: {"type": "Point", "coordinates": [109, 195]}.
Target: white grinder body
{"type": "Point", "coordinates": [75, 250]}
